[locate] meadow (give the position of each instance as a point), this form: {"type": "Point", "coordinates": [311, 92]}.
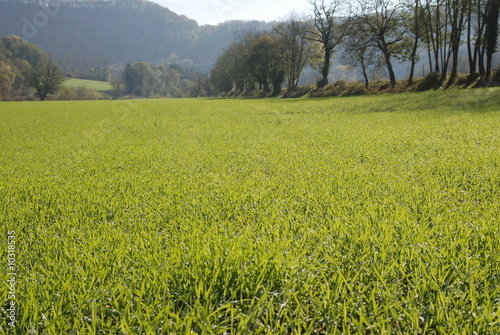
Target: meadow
{"type": "Point", "coordinates": [361, 215]}
{"type": "Point", "coordinates": [92, 84]}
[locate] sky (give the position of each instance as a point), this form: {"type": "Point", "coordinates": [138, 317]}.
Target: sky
{"type": "Point", "coordinates": [217, 11]}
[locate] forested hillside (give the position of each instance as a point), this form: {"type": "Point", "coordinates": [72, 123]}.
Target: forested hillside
{"type": "Point", "coordinates": [84, 33]}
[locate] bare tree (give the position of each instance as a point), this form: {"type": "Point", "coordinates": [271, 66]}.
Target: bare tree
{"type": "Point", "coordinates": [45, 78]}
{"type": "Point", "coordinates": [456, 12]}
{"type": "Point", "coordinates": [415, 19]}
{"type": "Point", "coordinates": [293, 33]}
{"type": "Point", "coordinates": [359, 50]}
{"type": "Point", "coordinates": [329, 30]}
{"type": "Point", "coordinates": [475, 30]}
{"type": "Point", "coordinates": [431, 34]}
{"type": "Point", "coordinates": [444, 23]}
{"type": "Point", "coordinates": [383, 22]}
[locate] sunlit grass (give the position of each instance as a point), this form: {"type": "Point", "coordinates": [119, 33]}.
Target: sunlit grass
{"type": "Point", "coordinates": [92, 84]}
{"type": "Point", "coordinates": [361, 215]}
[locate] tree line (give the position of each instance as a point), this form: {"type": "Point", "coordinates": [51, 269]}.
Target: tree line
{"type": "Point", "coordinates": [142, 79]}
{"type": "Point", "coordinates": [26, 71]}
{"type": "Point", "coordinates": [369, 33]}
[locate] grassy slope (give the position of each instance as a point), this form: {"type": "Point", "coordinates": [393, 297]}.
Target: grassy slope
{"type": "Point", "coordinates": [377, 213]}
{"type": "Point", "coordinates": [92, 84]}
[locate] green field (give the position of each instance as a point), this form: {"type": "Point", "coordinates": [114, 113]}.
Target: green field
{"type": "Point", "coordinates": [92, 84]}
{"type": "Point", "coordinates": [365, 215]}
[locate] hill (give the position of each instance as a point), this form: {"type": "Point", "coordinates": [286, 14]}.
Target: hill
{"type": "Point", "coordinates": [119, 33]}
{"type": "Point", "coordinates": [83, 33]}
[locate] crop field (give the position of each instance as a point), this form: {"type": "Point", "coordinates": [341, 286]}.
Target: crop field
{"type": "Point", "coordinates": [364, 215]}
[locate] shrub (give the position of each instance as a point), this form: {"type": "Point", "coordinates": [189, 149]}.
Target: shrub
{"type": "Point", "coordinates": [431, 81]}
{"type": "Point", "coordinates": [66, 94]}
{"type": "Point", "coordinates": [355, 88]}
{"type": "Point", "coordinates": [299, 92]}
{"type": "Point", "coordinates": [339, 87]}
{"type": "Point", "coordinates": [83, 93]}
{"type": "Point", "coordinates": [79, 93]}
{"type": "Point", "coordinates": [321, 83]}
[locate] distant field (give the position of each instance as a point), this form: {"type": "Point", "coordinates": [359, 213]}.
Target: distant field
{"type": "Point", "coordinates": [92, 84]}
{"type": "Point", "coordinates": [366, 215]}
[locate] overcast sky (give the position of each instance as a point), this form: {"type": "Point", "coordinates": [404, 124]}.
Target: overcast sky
{"type": "Point", "coordinates": [216, 11]}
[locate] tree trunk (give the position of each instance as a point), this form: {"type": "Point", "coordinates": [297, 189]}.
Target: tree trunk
{"type": "Point", "coordinates": [470, 52]}
{"type": "Point", "coordinates": [454, 65]}
{"type": "Point", "coordinates": [392, 77]}
{"type": "Point", "coordinates": [390, 69]}
{"type": "Point", "coordinates": [413, 60]}
{"type": "Point", "coordinates": [457, 13]}
{"type": "Point", "coordinates": [446, 62]}
{"type": "Point", "coordinates": [478, 43]}
{"type": "Point", "coordinates": [325, 71]}
{"type": "Point", "coordinates": [481, 65]}
{"type": "Point", "coordinates": [491, 34]}
{"type": "Point", "coordinates": [429, 36]}
{"type": "Point", "coordinates": [415, 43]}
{"type": "Point", "coordinates": [365, 75]}
{"type": "Point", "coordinates": [437, 43]}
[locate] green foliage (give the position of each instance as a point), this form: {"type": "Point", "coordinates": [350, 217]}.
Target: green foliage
{"type": "Point", "coordinates": [143, 80]}
{"type": "Point", "coordinates": [7, 78]}
{"type": "Point", "coordinates": [265, 62]}
{"type": "Point", "coordinates": [133, 78]}
{"type": "Point", "coordinates": [16, 58]}
{"type": "Point", "coordinates": [255, 59]}
{"type": "Point", "coordinates": [45, 77]}
{"type": "Point", "coordinates": [25, 66]}
{"type": "Point", "coordinates": [18, 49]}
{"type": "Point", "coordinates": [374, 214]}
